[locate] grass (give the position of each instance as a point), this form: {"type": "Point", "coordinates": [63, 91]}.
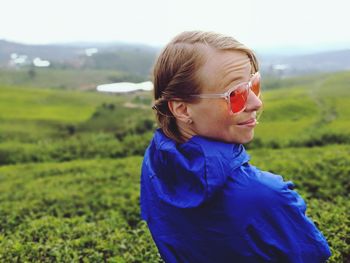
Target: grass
{"type": "Point", "coordinates": [49, 104]}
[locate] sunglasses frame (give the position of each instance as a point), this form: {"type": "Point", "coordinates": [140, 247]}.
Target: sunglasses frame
{"type": "Point", "coordinates": [226, 95]}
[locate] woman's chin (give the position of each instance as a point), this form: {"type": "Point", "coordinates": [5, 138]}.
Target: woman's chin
{"type": "Point", "coordinates": [247, 139]}
{"type": "Point", "coordinates": [239, 140]}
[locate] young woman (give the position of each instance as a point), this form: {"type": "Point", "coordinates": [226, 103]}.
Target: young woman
{"type": "Point", "coordinates": [202, 200]}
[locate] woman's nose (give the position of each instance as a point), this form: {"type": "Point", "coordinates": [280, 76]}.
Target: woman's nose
{"type": "Point", "coordinates": [254, 102]}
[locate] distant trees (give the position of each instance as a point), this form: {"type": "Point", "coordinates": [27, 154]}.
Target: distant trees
{"type": "Point", "coordinates": [31, 73]}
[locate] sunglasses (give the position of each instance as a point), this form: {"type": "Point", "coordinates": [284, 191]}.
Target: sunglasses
{"type": "Point", "coordinates": [237, 96]}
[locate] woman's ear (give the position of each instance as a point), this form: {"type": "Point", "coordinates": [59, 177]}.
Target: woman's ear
{"type": "Point", "coordinates": [180, 110]}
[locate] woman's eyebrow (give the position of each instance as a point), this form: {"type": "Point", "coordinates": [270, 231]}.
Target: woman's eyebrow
{"type": "Point", "coordinates": [236, 78]}
{"type": "Point", "coordinates": [233, 81]}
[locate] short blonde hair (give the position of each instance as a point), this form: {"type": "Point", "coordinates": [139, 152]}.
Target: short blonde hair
{"type": "Point", "coordinates": [175, 72]}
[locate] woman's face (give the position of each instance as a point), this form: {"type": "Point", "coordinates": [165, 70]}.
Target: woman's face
{"type": "Point", "coordinates": [211, 117]}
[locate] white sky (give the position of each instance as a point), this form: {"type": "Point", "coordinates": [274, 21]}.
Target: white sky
{"type": "Point", "coordinates": [257, 23]}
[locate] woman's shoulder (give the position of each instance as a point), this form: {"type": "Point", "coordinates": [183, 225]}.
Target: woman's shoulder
{"type": "Point", "coordinates": [269, 180]}
{"type": "Point", "coordinates": [266, 190]}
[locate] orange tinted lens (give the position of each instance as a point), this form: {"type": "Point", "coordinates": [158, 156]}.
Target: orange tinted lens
{"type": "Point", "coordinates": [256, 85]}
{"type": "Point", "coordinates": [238, 98]}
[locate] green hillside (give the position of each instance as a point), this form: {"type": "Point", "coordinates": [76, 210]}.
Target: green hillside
{"type": "Point", "coordinates": [70, 165]}
{"type": "Point", "coordinates": [307, 112]}
{"type": "Point", "coordinates": [32, 114]}
{"type": "Point", "coordinates": [83, 79]}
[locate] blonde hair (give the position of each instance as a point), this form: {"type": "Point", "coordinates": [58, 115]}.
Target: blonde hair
{"type": "Point", "coordinates": [175, 72]}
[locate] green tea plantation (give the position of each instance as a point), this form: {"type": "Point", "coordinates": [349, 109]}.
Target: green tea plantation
{"type": "Point", "coordinates": [70, 165]}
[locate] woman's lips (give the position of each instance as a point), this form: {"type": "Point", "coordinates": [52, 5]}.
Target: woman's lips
{"type": "Point", "coordinates": [249, 123]}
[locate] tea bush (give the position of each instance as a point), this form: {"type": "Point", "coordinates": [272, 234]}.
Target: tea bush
{"type": "Point", "coordinates": [88, 210]}
{"type": "Point", "coordinates": [80, 211]}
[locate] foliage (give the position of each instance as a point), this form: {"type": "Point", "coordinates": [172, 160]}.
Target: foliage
{"type": "Point", "coordinates": [81, 211]}
{"type": "Point", "coordinates": [136, 61]}
{"type": "Point", "coordinates": [83, 146]}
{"type": "Point", "coordinates": [88, 209]}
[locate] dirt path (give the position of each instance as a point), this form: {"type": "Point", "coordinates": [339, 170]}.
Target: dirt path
{"type": "Point", "coordinates": [327, 108]}
{"type": "Point", "coordinates": [134, 105]}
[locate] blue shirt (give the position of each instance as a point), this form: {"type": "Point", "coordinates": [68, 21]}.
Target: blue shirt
{"type": "Point", "coordinates": [203, 202]}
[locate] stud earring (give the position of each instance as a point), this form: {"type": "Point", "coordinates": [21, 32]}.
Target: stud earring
{"type": "Point", "coordinates": [189, 121]}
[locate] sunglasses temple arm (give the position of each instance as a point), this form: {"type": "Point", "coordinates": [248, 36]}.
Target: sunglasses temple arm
{"type": "Point", "coordinates": [211, 96]}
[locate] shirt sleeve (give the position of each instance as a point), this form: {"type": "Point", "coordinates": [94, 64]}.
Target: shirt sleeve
{"type": "Point", "coordinates": [279, 230]}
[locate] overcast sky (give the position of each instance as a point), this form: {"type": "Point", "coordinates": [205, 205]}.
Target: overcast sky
{"type": "Point", "coordinates": [257, 23]}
